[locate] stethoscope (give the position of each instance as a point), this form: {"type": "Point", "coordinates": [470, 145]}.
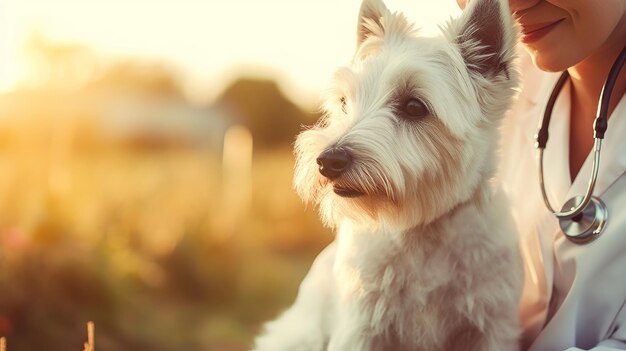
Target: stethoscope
{"type": "Point", "coordinates": [582, 218]}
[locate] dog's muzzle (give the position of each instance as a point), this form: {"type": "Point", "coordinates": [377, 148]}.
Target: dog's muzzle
{"type": "Point", "coordinates": [333, 163]}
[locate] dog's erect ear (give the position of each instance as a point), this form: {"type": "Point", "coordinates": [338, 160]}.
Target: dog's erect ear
{"type": "Point", "coordinates": [370, 17]}
{"type": "Point", "coordinates": [486, 36]}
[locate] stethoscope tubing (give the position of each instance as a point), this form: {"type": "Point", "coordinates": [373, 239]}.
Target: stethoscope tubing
{"type": "Point", "coordinates": [599, 126]}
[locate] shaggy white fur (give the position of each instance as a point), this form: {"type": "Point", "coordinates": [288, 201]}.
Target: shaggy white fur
{"type": "Point", "coordinates": [402, 165]}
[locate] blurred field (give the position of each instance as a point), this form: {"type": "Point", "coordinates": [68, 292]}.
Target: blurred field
{"type": "Point", "coordinates": [135, 242]}
{"type": "Point", "coordinates": [144, 227]}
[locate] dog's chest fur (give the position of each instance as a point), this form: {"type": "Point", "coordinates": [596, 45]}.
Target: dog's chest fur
{"type": "Point", "coordinates": [417, 290]}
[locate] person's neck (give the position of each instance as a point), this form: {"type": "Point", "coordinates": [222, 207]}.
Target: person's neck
{"type": "Point", "coordinates": [588, 78]}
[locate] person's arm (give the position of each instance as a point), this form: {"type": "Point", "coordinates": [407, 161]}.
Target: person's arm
{"type": "Point", "coordinates": [616, 341]}
{"type": "Point", "coordinates": [606, 345]}
{"type": "Point", "coordinates": [612, 344]}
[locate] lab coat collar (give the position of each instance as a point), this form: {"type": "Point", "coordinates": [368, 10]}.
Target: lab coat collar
{"type": "Point", "coordinates": [556, 154]}
{"type": "Point", "coordinates": [612, 156]}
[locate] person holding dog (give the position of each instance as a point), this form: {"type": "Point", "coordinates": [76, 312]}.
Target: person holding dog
{"type": "Point", "coordinates": [575, 294]}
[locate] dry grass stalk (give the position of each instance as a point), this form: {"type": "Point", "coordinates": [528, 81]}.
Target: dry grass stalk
{"type": "Point", "coordinates": [89, 345]}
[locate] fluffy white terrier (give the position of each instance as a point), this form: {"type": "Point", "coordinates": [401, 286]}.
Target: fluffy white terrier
{"type": "Point", "coordinates": [402, 165]}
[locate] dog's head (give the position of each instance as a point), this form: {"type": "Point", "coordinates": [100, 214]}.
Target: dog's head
{"type": "Point", "coordinates": [410, 127]}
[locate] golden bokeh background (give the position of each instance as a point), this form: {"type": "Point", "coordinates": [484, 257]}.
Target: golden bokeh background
{"type": "Point", "coordinates": [145, 165]}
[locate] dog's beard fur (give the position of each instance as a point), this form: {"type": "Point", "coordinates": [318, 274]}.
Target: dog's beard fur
{"type": "Point", "coordinates": [410, 171]}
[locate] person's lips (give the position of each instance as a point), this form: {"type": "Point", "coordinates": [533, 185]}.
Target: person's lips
{"type": "Point", "coordinates": [533, 32]}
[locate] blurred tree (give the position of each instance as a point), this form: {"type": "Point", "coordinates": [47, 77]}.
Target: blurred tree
{"type": "Point", "coordinates": [273, 119]}
{"type": "Point", "coordinates": [59, 65]}
{"type": "Point", "coordinates": [71, 65]}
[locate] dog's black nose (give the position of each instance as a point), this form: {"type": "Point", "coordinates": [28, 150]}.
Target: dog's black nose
{"type": "Point", "coordinates": [333, 162]}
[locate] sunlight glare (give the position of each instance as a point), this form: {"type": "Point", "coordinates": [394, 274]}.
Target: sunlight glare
{"type": "Point", "coordinates": [208, 41]}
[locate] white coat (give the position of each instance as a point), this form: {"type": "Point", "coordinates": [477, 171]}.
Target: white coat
{"type": "Point", "coordinates": [574, 296]}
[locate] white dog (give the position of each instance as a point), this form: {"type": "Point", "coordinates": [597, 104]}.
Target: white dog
{"type": "Point", "coordinates": [402, 165]}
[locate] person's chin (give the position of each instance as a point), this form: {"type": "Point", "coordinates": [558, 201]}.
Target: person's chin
{"type": "Point", "coordinates": [548, 61]}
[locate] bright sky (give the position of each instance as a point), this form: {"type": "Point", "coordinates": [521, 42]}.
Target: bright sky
{"type": "Point", "coordinates": [209, 41]}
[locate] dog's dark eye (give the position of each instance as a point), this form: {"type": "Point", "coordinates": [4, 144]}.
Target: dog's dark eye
{"type": "Point", "coordinates": [414, 108]}
{"type": "Point", "coordinates": [343, 104]}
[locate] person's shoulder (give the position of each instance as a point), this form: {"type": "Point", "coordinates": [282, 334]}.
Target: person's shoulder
{"type": "Point", "coordinates": [520, 122]}
{"type": "Point", "coordinates": [533, 80]}
{"type": "Point", "coordinates": [534, 90]}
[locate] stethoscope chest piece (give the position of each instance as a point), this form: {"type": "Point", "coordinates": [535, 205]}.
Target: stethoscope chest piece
{"type": "Point", "coordinates": [587, 225]}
